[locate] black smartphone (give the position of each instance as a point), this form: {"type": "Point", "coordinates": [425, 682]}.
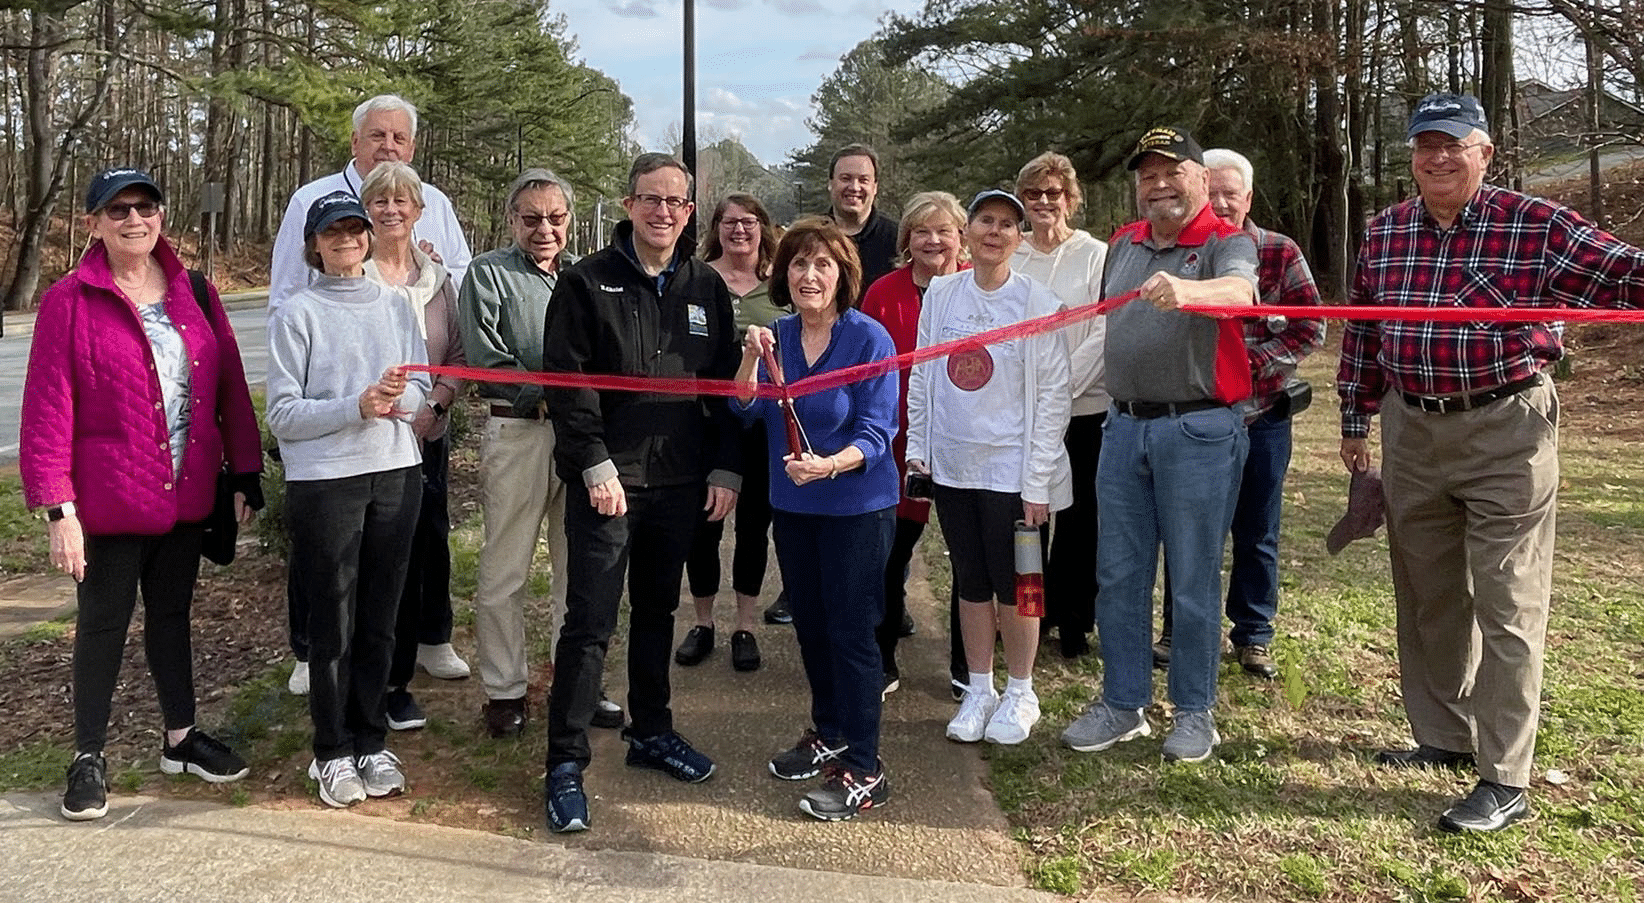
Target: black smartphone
{"type": "Point", "coordinates": [919, 485]}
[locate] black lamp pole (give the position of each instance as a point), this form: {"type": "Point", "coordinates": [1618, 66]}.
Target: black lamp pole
{"type": "Point", "coordinates": [688, 129]}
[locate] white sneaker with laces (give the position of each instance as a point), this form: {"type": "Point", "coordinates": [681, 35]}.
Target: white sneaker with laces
{"type": "Point", "coordinates": [298, 682]}
{"type": "Point", "coordinates": [441, 661]}
{"type": "Point", "coordinates": [1016, 715]}
{"type": "Point", "coordinates": [972, 720]}
{"type": "Point", "coordinates": [381, 774]}
{"type": "Point", "coordinates": [339, 780]}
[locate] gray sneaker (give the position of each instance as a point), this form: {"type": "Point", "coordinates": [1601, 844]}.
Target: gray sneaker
{"type": "Point", "coordinates": [1192, 739]}
{"type": "Point", "coordinates": [380, 773]}
{"type": "Point", "coordinates": [1102, 726]}
{"type": "Point", "coordinates": [339, 781]}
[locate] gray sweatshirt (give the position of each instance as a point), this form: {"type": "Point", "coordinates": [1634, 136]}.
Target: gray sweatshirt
{"type": "Point", "coordinates": [326, 344]}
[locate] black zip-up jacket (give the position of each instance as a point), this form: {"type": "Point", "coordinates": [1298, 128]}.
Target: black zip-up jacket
{"type": "Point", "coordinates": [605, 316]}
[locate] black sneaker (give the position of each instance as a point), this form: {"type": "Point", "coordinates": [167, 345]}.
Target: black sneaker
{"type": "Point", "coordinates": [744, 651]}
{"type": "Point", "coordinates": [403, 712]}
{"type": "Point", "coordinates": [566, 802]}
{"type": "Point", "coordinates": [1424, 756]}
{"type": "Point", "coordinates": [778, 612]}
{"type": "Point", "coordinates": [1490, 807]}
{"type": "Point", "coordinates": [87, 795]}
{"type": "Point", "coordinates": [203, 755]}
{"type": "Point", "coordinates": [669, 753]}
{"type": "Point", "coordinates": [806, 758]}
{"type": "Point", "coordinates": [893, 682]}
{"type": "Point", "coordinates": [1161, 653]}
{"type": "Point", "coordinates": [696, 647]}
{"type": "Point", "coordinates": [608, 715]}
{"type": "Point", "coordinates": [843, 794]}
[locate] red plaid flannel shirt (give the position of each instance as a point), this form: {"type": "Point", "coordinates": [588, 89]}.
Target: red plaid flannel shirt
{"type": "Point", "coordinates": [1277, 344]}
{"type": "Point", "coordinates": [1505, 250]}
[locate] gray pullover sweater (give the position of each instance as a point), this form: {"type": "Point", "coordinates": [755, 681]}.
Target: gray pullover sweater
{"type": "Point", "coordinates": [326, 344]}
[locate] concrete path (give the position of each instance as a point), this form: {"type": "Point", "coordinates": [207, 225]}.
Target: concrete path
{"type": "Point", "coordinates": [158, 849]}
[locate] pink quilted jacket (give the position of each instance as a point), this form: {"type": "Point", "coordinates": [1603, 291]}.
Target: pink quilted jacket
{"type": "Point", "coordinates": [93, 425]}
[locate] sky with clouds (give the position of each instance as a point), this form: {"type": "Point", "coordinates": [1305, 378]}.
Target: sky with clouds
{"type": "Point", "coordinates": [758, 61]}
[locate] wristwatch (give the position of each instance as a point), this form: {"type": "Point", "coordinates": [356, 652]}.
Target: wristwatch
{"type": "Point", "coordinates": [58, 512]}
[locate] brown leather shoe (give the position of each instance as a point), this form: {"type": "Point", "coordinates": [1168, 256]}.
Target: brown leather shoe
{"type": "Point", "coordinates": [1257, 660]}
{"type": "Point", "coordinates": [504, 717]}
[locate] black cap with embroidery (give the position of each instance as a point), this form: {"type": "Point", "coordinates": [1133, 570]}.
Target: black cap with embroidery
{"type": "Point", "coordinates": [1456, 115]}
{"type": "Point", "coordinates": [110, 182]}
{"type": "Point", "coordinates": [1167, 141]}
{"type": "Point", "coordinates": [330, 208]}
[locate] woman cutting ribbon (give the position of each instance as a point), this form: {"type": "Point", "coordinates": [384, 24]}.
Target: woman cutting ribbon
{"type": "Point", "coordinates": [833, 500]}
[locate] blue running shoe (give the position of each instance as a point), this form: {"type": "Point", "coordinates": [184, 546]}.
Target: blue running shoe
{"type": "Point", "coordinates": [567, 804]}
{"type": "Point", "coordinates": [670, 753]}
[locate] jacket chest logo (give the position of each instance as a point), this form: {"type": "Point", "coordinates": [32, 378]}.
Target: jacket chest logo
{"type": "Point", "coordinates": [613, 289]}
{"type": "Point", "coordinates": [697, 316]}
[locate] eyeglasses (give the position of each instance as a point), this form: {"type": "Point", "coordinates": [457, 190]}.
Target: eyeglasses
{"type": "Point", "coordinates": [119, 212]}
{"type": "Point", "coordinates": [1448, 148]}
{"type": "Point", "coordinates": [1049, 194]}
{"type": "Point", "coordinates": [652, 201]}
{"type": "Point", "coordinates": [349, 226]}
{"type": "Point", "coordinates": [750, 223]}
{"type": "Point", "coordinates": [535, 220]}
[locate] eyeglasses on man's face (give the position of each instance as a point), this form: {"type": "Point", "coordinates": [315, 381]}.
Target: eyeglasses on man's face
{"type": "Point", "coordinates": [653, 201]}
{"type": "Point", "coordinates": [535, 220]}
{"type": "Point", "coordinates": [1447, 148]}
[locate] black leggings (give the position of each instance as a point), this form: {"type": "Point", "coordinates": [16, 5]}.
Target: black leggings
{"type": "Point", "coordinates": [753, 524]}
{"type": "Point", "coordinates": [165, 567]}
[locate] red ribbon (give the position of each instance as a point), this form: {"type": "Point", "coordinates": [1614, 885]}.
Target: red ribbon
{"type": "Point", "coordinates": [1036, 326]}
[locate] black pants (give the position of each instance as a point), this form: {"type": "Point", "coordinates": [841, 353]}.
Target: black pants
{"type": "Point", "coordinates": [425, 603]}
{"type": "Point", "coordinates": [753, 523]}
{"type": "Point", "coordinates": [647, 546]}
{"type": "Point", "coordinates": [165, 567]}
{"type": "Point", "coordinates": [889, 631]}
{"type": "Point", "coordinates": [1070, 572]}
{"type": "Point", "coordinates": [350, 540]}
{"type": "Point", "coordinates": [833, 568]}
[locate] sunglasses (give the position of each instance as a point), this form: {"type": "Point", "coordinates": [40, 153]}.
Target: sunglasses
{"type": "Point", "coordinates": [349, 226]}
{"type": "Point", "coordinates": [119, 212]}
{"type": "Point", "coordinates": [1049, 194]}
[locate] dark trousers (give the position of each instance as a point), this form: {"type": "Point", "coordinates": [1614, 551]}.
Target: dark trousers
{"type": "Point", "coordinates": [350, 540]}
{"type": "Point", "coordinates": [425, 602]}
{"type": "Point", "coordinates": [1070, 571]}
{"type": "Point", "coordinates": [647, 546]}
{"type": "Point", "coordinates": [1253, 582]}
{"type": "Point", "coordinates": [834, 571]}
{"type": "Point", "coordinates": [165, 567]}
{"type": "Point", "coordinates": [889, 631]}
{"type": "Point", "coordinates": [753, 523]}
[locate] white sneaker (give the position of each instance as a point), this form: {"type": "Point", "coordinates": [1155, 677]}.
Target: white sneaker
{"type": "Point", "coordinates": [1014, 718]}
{"type": "Point", "coordinates": [974, 711]}
{"type": "Point", "coordinates": [340, 784]}
{"type": "Point", "coordinates": [381, 774]}
{"type": "Point", "coordinates": [441, 661]}
{"type": "Point", "coordinates": [298, 683]}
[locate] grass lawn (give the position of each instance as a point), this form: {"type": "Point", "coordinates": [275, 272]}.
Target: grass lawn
{"type": "Point", "coordinates": [1293, 808]}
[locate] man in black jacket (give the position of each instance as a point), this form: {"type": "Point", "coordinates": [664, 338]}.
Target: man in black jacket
{"type": "Point", "coordinates": [638, 467]}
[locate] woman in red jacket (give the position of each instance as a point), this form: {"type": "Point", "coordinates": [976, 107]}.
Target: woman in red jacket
{"type": "Point", "coordinates": [928, 240]}
{"type": "Point", "coordinates": [135, 396]}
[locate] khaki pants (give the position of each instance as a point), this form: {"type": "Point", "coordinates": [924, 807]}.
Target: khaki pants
{"type": "Point", "coordinates": [1471, 498]}
{"type": "Point", "coordinates": [519, 491]}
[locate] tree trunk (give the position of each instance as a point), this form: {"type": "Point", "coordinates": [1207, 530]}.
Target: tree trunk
{"type": "Point", "coordinates": [1496, 86]}
{"type": "Point", "coordinates": [45, 34]}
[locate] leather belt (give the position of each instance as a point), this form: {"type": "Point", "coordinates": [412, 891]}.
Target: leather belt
{"type": "Point", "coordinates": [507, 410]}
{"type": "Point", "coordinates": [1450, 404]}
{"type": "Point", "coordinates": [1150, 410]}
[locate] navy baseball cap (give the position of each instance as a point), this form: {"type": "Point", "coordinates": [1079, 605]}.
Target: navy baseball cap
{"type": "Point", "coordinates": [1167, 141]}
{"type": "Point", "coordinates": [327, 210]}
{"type": "Point", "coordinates": [1456, 115]}
{"type": "Point", "coordinates": [996, 194]}
{"type": "Point", "coordinates": [110, 182]}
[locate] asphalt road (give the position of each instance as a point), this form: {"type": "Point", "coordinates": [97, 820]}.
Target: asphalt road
{"type": "Point", "coordinates": [246, 314]}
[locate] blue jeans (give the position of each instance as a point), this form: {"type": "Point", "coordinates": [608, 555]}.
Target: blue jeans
{"type": "Point", "coordinates": [1171, 480]}
{"type": "Point", "coordinates": [834, 571]}
{"type": "Point", "coordinates": [1253, 587]}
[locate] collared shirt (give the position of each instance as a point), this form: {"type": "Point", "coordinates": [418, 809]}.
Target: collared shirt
{"type": "Point", "coordinates": [1278, 344]}
{"type": "Point", "coordinates": [502, 308]}
{"type": "Point", "coordinates": [1172, 355]}
{"type": "Point", "coordinates": [1505, 249]}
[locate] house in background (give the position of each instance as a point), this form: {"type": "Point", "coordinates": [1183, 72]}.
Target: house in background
{"type": "Point", "coordinates": [1554, 122]}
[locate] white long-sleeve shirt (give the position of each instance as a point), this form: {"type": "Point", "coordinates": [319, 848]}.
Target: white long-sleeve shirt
{"type": "Point", "coordinates": [288, 274]}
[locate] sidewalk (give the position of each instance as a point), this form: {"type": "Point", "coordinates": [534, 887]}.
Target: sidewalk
{"type": "Point", "coordinates": [157, 849]}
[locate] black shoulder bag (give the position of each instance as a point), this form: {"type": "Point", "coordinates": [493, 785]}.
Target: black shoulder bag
{"type": "Point", "coordinates": [222, 530]}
